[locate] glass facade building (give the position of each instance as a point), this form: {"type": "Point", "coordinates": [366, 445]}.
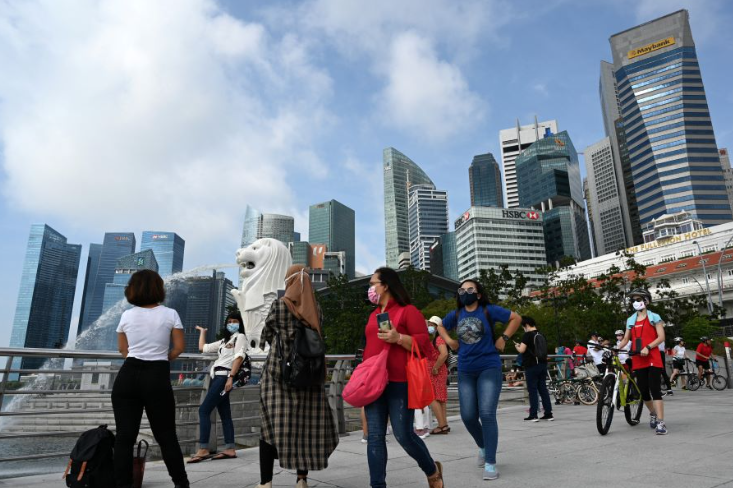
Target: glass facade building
{"type": "Point", "coordinates": [300, 252]}
{"type": "Point", "coordinates": [46, 295]}
{"type": "Point", "coordinates": [484, 178]}
{"type": "Point", "coordinates": [274, 226]}
{"type": "Point", "coordinates": [666, 118]}
{"type": "Point", "coordinates": [251, 222]}
{"type": "Point", "coordinates": [548, 178]}
{"type": "Point", "coordinates": [168, 248]}
{"type": "Point", "coordinates": [443, 257]}
{"type": "Point", "coordinates": [114, 246]}
{"type": "Point", "coordinates": [427, 217]}
{"type": "Point", "coordinates": [398, 171]}
{"type": "Point", "coordinates": [332, 223]}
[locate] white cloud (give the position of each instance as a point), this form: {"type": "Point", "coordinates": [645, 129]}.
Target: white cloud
{"type": "Point", "coordinates": [121, 114]}
{"type": "Point", "coordinates": [541, 88]}
{"type": "Point", "coordinates": [707, 17]}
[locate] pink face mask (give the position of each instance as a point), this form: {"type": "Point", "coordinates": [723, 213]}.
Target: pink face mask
{"type": "Point", "coordinates": [373, 295]}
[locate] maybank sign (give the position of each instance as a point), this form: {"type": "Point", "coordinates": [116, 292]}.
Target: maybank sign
{"type": "Point", "coordinates": [654, 46]}
{"type": "Point", "coordinates": [670, 240]}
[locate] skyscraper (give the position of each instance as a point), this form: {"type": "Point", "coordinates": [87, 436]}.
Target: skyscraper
{"type": "Point", "coordinates": [727, 173]}
{"type": "Point", "coordinates": [126, 266]}
{"type": "Point", "coordinates": [604, 206]}
{"type": "Point", "coordinates": [484, 177]}
{"type": "Point", "coordinates": [95, 251]}
{"type": "Point", "coordinates": [249, 230]}
{"type": "Point", "coordinates": [513, 141]}
{"type": "Point", "coordinates": [399, 172]}
{"type": "Point", "coordinates": [275, 226]}
{"type": "Point", "coordinates": [548, 177]}
{"type": "Point", "coordinates": [332, 223]}
{"type": "Point", "coordinates": [114, 246]}
{"type": "Point", "coordinates": [46, 295]}
{"type": "Point", "coordinates": [427, 216]}
{"type": "Point", "coordinates": [669, 133]}
{"type": "Point", "coordinates": [444, 257]}
{"type": "Point", "coordinates": [168, 248]}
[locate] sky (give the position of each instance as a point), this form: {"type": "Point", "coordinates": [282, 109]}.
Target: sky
{"type": "Point", "coordinates": [173, 115]}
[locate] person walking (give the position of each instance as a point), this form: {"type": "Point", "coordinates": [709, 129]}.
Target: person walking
{"type": "Point", "coordinates": [702, 359]}
{"type": "Point", "coordinates": [231, 355]}
{"type": "Point", "coordinates": [534, 359]}
{"type": "Point", "coordinates": [678, 361]}
{"type": "Point", "coordinates": [439, 376]}
{"type": "Point", "coordinates": [144, 336]}
{"type": "Point", "coordinates": [479, 365]}
{"type": "Point", "coordinates": [645, 330]}
{"type": "Point", "coordinates": [407, 325]}
{"type": "Point", "coordinates": [297, 424]}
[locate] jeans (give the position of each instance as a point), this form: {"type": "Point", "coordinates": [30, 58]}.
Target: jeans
{"type": "Point", "coordinates": [145, 385]}
{"type": "Point", "coordinates": [536, 376]}
{"type": "Point", "coordinates": [393, 405]}
{"type": "Point", "coordinates": [214, 399]}
{"type": "Point", "coordinates": [478, 394]}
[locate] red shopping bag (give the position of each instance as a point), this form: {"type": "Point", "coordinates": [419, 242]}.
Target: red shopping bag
{"type": "Point", "coordinates": [419, 387]}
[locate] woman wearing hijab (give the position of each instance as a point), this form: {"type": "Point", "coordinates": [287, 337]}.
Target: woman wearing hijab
{"type": "Point", "coordinates": [297, 424]}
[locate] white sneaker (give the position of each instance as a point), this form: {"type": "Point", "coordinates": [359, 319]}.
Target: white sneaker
{"type": "Point", "coordinates": [425, 435]}
{"type": "Point", "coordinates": [364, 439]}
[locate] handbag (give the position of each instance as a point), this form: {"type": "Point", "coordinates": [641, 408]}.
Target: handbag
{"type": "Point", "coordinates": [368, 381]}
{"type": "Point", "coordinates": [241, 378]}
{"type": "Point", "coordinates": [138, 464]}
{"type": "Point", "coordinates": [420, 392]}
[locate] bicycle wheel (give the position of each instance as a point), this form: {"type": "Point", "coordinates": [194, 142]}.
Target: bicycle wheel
{"type": "Point", "coordinates": [566, 393]}
{"type": "Point", "coordinates": [604, 411]}
{"type": "Point", "coordinates": [587, 394]}
{"type": "Point", "coordinates": [632, 411]}
{"type": "Point", "coordinates": [719, 382]}
{"type": "Point", "coordinates": [693, 383]}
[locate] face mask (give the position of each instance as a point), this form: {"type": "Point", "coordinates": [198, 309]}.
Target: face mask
{"type": "Point", "coordinates": [233, 328]}
{"type": "Point", "coordinates": [468, 299]}
{"type": "Point", "coordinates": [639, 306]}
{"type": "Point", "coordinates": [373, 295]}
{"type": "Point", "coordinates": [431, 330]}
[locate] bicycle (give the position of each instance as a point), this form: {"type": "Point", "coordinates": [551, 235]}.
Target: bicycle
{"type": "Point", "coordinates": [617, 390]}
{"type": "Point", "coordinates": [719, 382]}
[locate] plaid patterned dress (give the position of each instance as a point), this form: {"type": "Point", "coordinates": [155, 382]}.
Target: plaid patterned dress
{"type": "Point", "coordinates": [298, 423]}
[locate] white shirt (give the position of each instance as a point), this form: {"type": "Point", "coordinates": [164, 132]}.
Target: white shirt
{"type": "Point", "coordinates": [148, 331]}
{"type": "Point", "coordinates": [679, 352]}
{"type": "Point", "coordinates": [623, 356]}
{"type": "Point", "coordinates": [596, 355]}
{"type": "Point", "coordinates": [228, 352]}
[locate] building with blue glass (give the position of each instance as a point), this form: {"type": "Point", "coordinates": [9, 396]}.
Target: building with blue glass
{"type": "Point", "coordinates": [46, 295]}
{"type": "Point", "coordinates": [168, 248]}
{"type": "Point", "coordinates": [114, 246]}
{"type": "Point", "coordinates": [334, 224]}
{"type": "Point", "coordinates": [548, 179]}
{"type": "Point", "coordinates": [484, 178]}
{"type": "Point", "coordinates": [427, 217]}
{"type": "Point", "coordinates": [666, 118]}
{"type": "Point", "coordinates": [127, 265]}
{"type": "Point", "coordinates": [444, 256]}
{"type": "Point", "coordinates": [249, 229]}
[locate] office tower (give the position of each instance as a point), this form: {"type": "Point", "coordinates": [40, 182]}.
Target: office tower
{"type": "Point", "coordinates": [513, 141]}
{"type": "Point", "coordinates": [335, 262]}
{"type": "Point", "coordinates": [669, 134]}
{"type": "Point", "coordinates": [251, 222]}
{"type": "Point", "coordinates": [444, 258]}
{"type": "Point", "coordinates": [403, 261]}
{"type": "Point", "coordinates": [332, 223]}
{"type": "Point", "coordinates": [296, 236]}
{"type": "Point", "coordinates": [589, 215]}
{"type": "Point", "coordinates": [95, 251]}
{"type": "Point", "coordinates": [114, 246]}
{"type": "Point", "coordinates": [487, 237]}
{"type": "Point", "coordinates": [484, 177]}
{"type": "Point", "coordinates": [127, 265]}
{"type": "Point", "coordinates": [399, 173]}
{"type": "Point", "coordinates": [168, 248]}
{"type": "Point", "coordinates": [46, 295]}
{"type": "Point", "coordinates": [727, 173]}
{"type": "Point", "coordinates": [548, 178]}
{"type": "Point", "coordinates": [274, 226]}
{"type": "Point", "coordinates": [300, 253]}
{"type": "Point", "coordinates": [604, 204]}
{"type": "Point", "coordinates": [427, 217]}
{"type": "Point", "coordinates": [206, 302]}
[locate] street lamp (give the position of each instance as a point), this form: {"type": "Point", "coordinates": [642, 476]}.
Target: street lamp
{"type": "Point", "coordinates": [720, 274]}
{"type": "Point", "coordinates": [705, 272]}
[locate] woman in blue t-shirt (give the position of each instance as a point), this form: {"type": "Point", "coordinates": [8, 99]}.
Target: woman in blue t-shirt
{"type": "Point", "coordinates": [479, 366]}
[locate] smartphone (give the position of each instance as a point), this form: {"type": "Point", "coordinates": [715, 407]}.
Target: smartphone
{"type": "Point", "coordinates": [637, 345]}
{"type": "Point", "coordinates": [383, 322]}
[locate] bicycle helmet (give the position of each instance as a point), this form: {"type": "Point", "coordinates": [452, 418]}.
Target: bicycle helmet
{"type": "Point", "coordinates": [678, 340]}
{"type": "Point", "coordinates": [704, 338]}
{"type": "Point", "coordinates": [641, 292]}
{"type": "Point", "coordinates": [619, 332]}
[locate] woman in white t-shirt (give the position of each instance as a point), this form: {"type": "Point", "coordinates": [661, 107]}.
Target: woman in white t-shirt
{"type": "Point", "coordinates": [231, 355]}
{"type": "Point", "coordinates": [678, 361]}
{"type": "Point", "coordinates": [143, 382]}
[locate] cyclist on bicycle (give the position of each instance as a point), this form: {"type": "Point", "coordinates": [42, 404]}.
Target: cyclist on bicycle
{"type": "Point", "coordinates": [702, 360]}
{"type": "Point", "coordinates": [645, 331]}
{"type": "Point", "coordinates": [678, 363]}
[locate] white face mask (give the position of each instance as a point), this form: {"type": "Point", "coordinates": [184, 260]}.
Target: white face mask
{"type": "Point", "coordinates": [639, 306]}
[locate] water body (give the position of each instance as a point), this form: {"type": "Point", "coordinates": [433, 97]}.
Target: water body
{"type": "Point", "coordinates": [30, 467]}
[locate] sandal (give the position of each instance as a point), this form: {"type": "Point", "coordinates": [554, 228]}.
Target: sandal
{"type": "Point", "coordinates": [223, 455]}
{"type": "Point", "coordinates": [440, 430]}
{"type": "Point", "coordinates": [198, 459]}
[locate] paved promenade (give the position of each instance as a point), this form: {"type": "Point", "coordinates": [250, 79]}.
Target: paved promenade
{"type": "Point", "coordinates": [698, 452]}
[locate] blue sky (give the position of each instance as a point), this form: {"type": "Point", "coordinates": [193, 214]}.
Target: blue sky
{"type": "Point", "coordinates": [172, 116]}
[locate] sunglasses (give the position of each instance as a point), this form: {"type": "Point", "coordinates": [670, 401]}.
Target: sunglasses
{"type": "Point", "coordinates": [470, 290]}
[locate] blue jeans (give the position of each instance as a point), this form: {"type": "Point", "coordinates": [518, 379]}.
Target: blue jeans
{"type": "Point", "coordinates": [213, 400]}
{"type": "Point", "coordinates": [393, 405]}
{"type": "Point", "coordinates": [478, 394]}
{"type": "Point", "coordinates": [536, 376]}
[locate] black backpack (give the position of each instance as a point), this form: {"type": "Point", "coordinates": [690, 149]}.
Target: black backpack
{"type": "Point", "coordinates": [540, 347]}
{"type": "Point", "coordinates": [305, 366]}
{"type": "Point", "coordinates": [91, 462]}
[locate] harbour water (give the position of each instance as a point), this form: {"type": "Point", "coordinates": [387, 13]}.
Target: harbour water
{"type": "Point", "coordinates": [28, 446]}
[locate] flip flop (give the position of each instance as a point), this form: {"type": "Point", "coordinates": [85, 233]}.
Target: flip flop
{"type": "Point", "coordinates": [198, 459]}
{"type": "Point", "coordinates": [223, 455]}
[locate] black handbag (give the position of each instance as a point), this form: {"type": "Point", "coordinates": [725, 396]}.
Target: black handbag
{"type": "Point", "coordinates": [305, 366]}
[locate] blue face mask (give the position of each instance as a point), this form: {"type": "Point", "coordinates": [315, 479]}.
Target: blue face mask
{"type": "Point", "coordinates": [431, 330]}
{"type": "Point", "coordinates": [233, 328]}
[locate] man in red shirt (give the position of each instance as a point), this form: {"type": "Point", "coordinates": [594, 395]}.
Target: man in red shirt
{"type": "Point", "coordinates": [702, 360]}
{"type": "Point", "coordinates": [579, 351]}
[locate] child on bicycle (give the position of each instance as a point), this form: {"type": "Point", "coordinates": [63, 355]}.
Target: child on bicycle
{"type": "Point", "coordinates": [645, 331]}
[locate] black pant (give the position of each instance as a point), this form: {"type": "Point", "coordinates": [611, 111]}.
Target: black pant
{"type": "Point", "coordinates": [665, 376]}
{"type": "Point", "coordinates": [145, 384]}
{"type": "Point", "coordinates": [268, 454]}
{"type": "Point", "coordinates": [650, 382]}
{"type": "Point", "coordinates": [536, 377]}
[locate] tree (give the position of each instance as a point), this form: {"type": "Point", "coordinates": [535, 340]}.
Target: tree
{"type": "Point", "coordinates": [416, 282]}
{"type": "Point", "coordinates": [439, 308]}
{"type": "Point", "coordinates": [345, 313]}
{"type": "Point", "coordinates": [695, 328]}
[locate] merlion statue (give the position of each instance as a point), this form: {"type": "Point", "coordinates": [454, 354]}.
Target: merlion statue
{"type": "Point", "coordinates": [263, 265]}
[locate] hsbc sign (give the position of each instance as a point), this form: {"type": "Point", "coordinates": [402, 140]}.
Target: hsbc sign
{"type": "Point", "coordinates": [520, 214]}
